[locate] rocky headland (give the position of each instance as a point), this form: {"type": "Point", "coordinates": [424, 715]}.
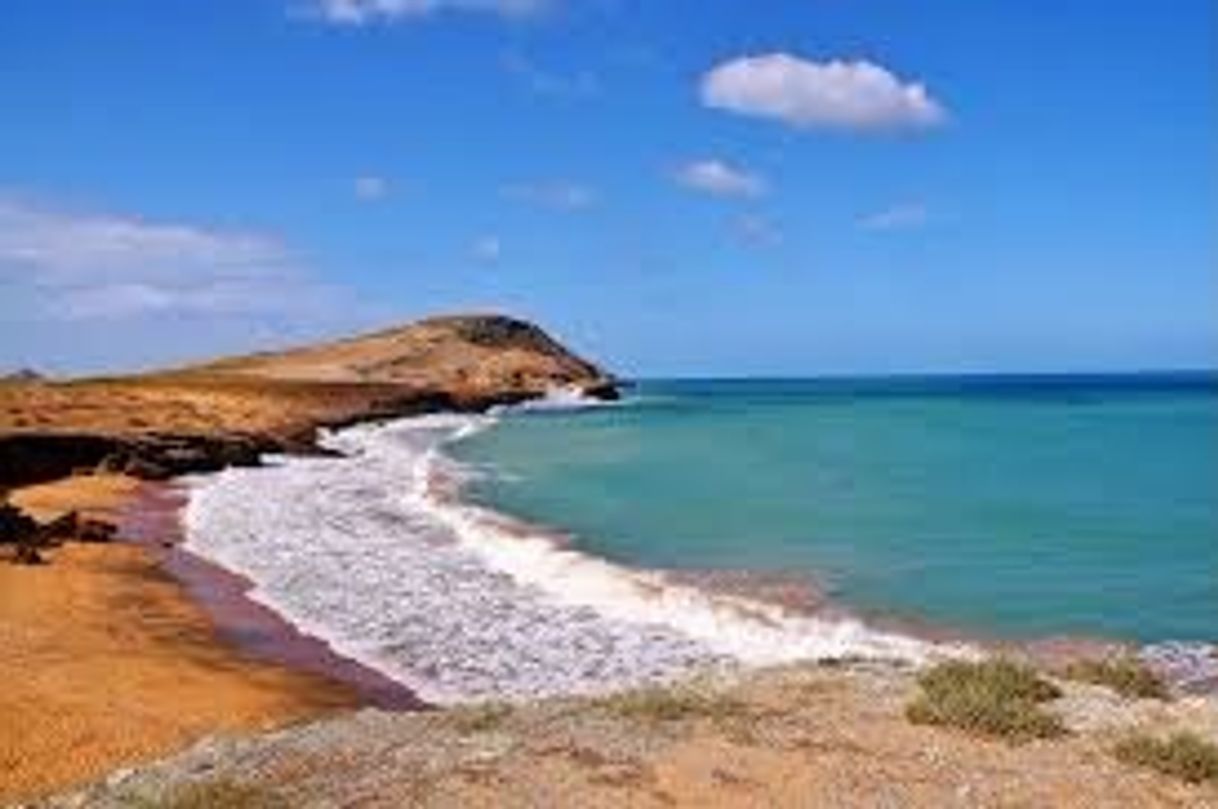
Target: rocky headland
{"type": "Point", "coordinates": [228, 412]}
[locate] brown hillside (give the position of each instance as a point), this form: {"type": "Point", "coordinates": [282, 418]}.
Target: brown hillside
{"type": "Point", "coordinates": [226, 411]}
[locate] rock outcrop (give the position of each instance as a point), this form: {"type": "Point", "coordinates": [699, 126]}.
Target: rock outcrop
{"type": "Point", "coordinates": [36, 457]}
{"type": "Point", "coordinates": [29, 538]}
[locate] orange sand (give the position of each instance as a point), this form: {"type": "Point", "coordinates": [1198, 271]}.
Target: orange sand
{"type": "Point", "coordinates": [106, 663]}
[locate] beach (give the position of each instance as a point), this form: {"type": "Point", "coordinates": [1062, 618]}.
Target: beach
{"type": "Point", "coordinates": [120, 653]}
{"type": "Point", "coordinates": [449, 571]}
{"type": "Point", "coordinates": [141, 671]}
{"type": "Point", "coordinates": [108, 663]}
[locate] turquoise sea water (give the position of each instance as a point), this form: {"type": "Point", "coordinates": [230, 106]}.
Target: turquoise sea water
{"type": "Point", "coordinates": [1011, 505]}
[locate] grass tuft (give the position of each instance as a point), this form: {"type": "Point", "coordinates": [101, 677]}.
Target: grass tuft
{"type": "Point", "coordinates": [214, 794]}
{"type": "Point", "coordinates": [481, 718]}
{"type": "Point", "coordinates": [995, 698]}
{"type": "Point", "coordinates": [1185, 756]}
{"type": "Point", "coordinates": [1125, 675]}
{"type": "Point", "coordinates": [660, 705]}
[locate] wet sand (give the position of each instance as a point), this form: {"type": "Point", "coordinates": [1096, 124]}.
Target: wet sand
{"type": "Point", "coordinates": [151, 519]}
{"type": "Point", "coordinates": [107, 662]}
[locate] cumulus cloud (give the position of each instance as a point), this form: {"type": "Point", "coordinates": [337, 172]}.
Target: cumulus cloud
{"type": "Point", "coordinates": [562, 195]}
{"type": "Point", "coordinates": [897, 217]}
{"type": "Point", "coordinates": [82, 266]}
{"type": "Point", "coordinates": [854, 95]}
{"type": "Point", "coordinates": [371, 187]}
{"type": "Point", "coordinates": [719, 179]}
{"type": "Point", "coordinates": [362, 12]}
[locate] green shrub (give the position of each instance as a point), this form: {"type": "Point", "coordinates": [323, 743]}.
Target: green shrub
{"type": "Point", "coordinates": [1185, 756]}
{"type": "Point", "coordinates": [995, 698]}
{"type": "Point", "coordinates": [1124, 675]}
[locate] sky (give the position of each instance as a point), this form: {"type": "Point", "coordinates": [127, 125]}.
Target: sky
{"type": "Point", "coordinates": [674, 187]}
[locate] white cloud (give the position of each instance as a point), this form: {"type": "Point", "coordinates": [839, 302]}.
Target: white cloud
{"type": "Point", "coordinates": [719, 179]}
{"type": "Point", "coordinates": [362, 12]}
{"type": "Point", "coordinates": [371, 187]}
{"type": "Point", "coordinates": [486, 249]}
{"type": "Point", "coordinates": [756, 230]}
{"type": "Point", "coordinates": [79, 266]}
{"type": "Point", "coordinates": [857, 95]}
{"type": "Point", "coordinates": [562, 195]}
{"type": "Point", "coordinates": [898, 217]}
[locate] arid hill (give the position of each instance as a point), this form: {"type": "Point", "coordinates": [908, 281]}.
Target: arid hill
{"type": "Point", "coordinates": [225, 412]}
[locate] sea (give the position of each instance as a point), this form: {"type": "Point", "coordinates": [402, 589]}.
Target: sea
{"type": "Point", "coordinates": [575, 547]}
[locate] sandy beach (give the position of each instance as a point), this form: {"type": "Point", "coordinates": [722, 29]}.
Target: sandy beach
{"type": "Point", "coordinates": [108, 663]}
{"type": "Point", "coordinates": [121, 653]}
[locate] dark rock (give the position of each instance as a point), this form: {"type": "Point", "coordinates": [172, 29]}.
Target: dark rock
{"type": "Point", "coordinates": [27, 553]}
{"type": "Point", "coordinates": [146, 470]}
{"type": "Point", "coordinates": [27, 458]}
{"type": "Point", "coordinates": [22, 532]}
{"type": "Point", "coordinates": [33, 457]}
{"type": "Point", "coordinates": [114, 463]}
{"type": "Point", "coordinates": [15, 525]}
{"type": "Point", "coordinates": [186, 458]}
{"type": "Point", "coordinates": [90, 530]}
{"type": "Point", "coordinates": [62, 527]}
{"type": "Point", "coordinates": [606, 391]}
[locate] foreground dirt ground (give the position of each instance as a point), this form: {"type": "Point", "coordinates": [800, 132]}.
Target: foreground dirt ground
{"type": "Point", "coordinates": [106, 663]}
{"type": "Point", "coordinates": [802, 737]}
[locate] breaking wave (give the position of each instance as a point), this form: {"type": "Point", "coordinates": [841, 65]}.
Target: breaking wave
{"type": "Point", "coordinates": [376, 553]}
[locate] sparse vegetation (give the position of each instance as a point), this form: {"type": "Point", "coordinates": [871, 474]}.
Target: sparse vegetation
{"type": "Point", "coordinates": [1124, 675]}
{"type": "Point", "coordinates": [1186, 756]}
{"type": "Point", "coordinates": [674, 705]}
{"type": "Point", "coordinates": [995, 698]}
{"type": "Point", "coordinates": [481, 718]}
{"type": "Point", "coordinates": [214, 794]}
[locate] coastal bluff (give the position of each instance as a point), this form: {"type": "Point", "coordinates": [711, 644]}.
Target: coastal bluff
{"type": "Point", "coordinates": [228, 411]}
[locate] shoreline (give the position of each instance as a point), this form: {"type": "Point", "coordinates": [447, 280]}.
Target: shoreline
{"type": "Point", "coordinates": [1189, 666]}
{"type": "Point", "coordinates": [152, 519]}
{"type": "Point", "coordinates": [440, 489]}
{"type": "Point", "coordinates": [803, 594]}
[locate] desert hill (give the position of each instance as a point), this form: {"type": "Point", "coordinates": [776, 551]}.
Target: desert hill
{"type": "Point", "coordinates": [229, 410]}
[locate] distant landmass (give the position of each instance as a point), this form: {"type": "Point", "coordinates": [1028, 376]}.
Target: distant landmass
{"type": "Point", "coordinates": [22, 375]}
{"type": "Point", "coordinates": [228, 411]}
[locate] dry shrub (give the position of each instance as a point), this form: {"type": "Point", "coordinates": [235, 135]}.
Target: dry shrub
{"type": "Point", "coordinates": [1185, 756]}
{"type": "Point", "coordinates": [1124, 675]}
{"type": "Point", "coordinates": [994, 698]}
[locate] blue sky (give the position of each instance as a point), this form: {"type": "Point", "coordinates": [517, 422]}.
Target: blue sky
{"type": "Point", "coordinates": [676, 187]}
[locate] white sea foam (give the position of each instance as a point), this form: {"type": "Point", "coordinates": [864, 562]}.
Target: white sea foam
{"type": "Point", "coordinates": [557, 398]}
{"type": "Point", "coordinates": [375, 554]}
